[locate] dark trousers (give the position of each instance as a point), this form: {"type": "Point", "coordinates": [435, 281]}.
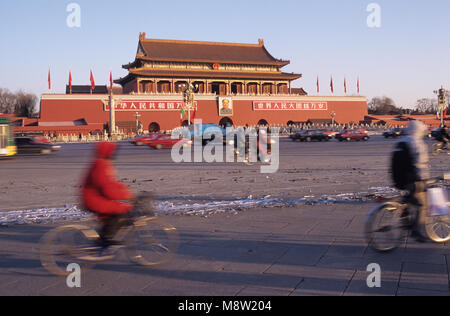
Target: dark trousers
{"type": "Point", "coordinates": [111, 226]}
{"type": "Point", "coordinates": [418, 197]}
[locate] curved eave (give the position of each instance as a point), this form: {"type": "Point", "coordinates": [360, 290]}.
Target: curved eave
{"type": "Point", "coordinates": [125, 79]}
{"type": "Point", "coordinates": [281, 63]}
{"type": "Point", "coordinates": [134, 64]}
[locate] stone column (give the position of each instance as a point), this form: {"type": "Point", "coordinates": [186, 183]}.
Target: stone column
{"type": "Point", "coordinates": [112, 114]}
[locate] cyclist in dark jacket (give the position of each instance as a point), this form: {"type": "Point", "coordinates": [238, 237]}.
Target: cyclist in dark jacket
{"type": "Point", "coordinates": [418, 149]}
{"type": "Point", "coordinates": [443, 137]}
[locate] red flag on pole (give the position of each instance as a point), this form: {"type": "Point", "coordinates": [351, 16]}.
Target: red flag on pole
{"type": "Point", "coordinates": [92, 81]}
{"type": "Point", "coordinates": [49, 79]}
{"type": "Point", "coordinates": [70, 81]}
{"type": "Point", "coordinates": [111, 79]}
{"type": "Point", "coordinates": [318, 85]}
{"type": "Point", "coordinates": [332, 85]}
{"type": "Point", "coordinates": [345, 85]}
{"type": "Point", "coordinates": [358, 85]}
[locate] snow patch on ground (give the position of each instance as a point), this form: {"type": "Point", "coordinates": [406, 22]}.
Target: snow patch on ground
{"type": "Point", "coordinates": [72, 213]}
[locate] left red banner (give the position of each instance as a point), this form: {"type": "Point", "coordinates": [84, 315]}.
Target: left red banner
{"type": "Point", "coordinates": [147, 106]}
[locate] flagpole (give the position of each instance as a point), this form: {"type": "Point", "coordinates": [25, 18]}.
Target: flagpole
{"type": "Point", "coordinates": [92, 82]}
{"type": "Point", "coordinates": [345, 85]}
{"type": "Point", "coordinates": [332, 85]}
{"type": "Point", "coordinates": [358, 87]}
{"type": "Point", "coordinates": [111, 79]}
{"type": "Point", "coordinates": [49, 80]}
{"type": "Point", "coordinates": [318, 85]}
{"type": "Point", "coordinates": [70, 81]}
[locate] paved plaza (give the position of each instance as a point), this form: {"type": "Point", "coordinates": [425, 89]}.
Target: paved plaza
{"type": "Point", "coordinates": [262, 252]}
{"type": "Point", "coordinates": [304, 250]}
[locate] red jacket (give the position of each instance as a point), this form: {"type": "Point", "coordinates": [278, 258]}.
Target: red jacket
{"type": "Point", "coordinates": [101, 192]}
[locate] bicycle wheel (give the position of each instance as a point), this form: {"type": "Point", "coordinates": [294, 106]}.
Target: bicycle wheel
{"type": "Point", "coordinates": [438, 228]}
{"type": "Point", "coordinates": [66, 245]}
{"type": "Point", "coordinates": [151, 242]}
{"type": "Point", "coordinates": [384, 228]}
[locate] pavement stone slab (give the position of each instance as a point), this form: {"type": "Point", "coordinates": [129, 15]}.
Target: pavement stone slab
{"type": "Point", "coordinates": [425, 276]}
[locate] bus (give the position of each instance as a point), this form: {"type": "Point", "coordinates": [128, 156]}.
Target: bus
{"type": "Point", "coordinates": [7, 145]}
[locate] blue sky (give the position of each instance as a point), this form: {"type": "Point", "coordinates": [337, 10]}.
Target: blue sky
{"type": "Point", "coordinates": [406, 59]}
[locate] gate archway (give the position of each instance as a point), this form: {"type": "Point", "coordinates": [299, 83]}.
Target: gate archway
{"type": "Point", "coordinates": [226, 122]}
{"type": "Point", "coordinates": [263, 123]}
{"type": "Point", "coordinates": [154, 128]}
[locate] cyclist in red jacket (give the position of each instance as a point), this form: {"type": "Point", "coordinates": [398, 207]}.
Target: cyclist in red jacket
{"type": "Point", "coordinates": [102, 193]}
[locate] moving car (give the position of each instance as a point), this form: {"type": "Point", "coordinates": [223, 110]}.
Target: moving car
{"type": "Point", "coordinates": [309, 136]}
{"type": "Point", "coordinates": [396, 132]}
{"type": "Point", "coordinates": [7, 146]}
{"type": "Point", "coordinates": [330, 134]}
{"type": "Point", "coordinates": [206, 133]}
{"type": "Point", "coordinates": [27, 145]}
{"type": "Point", "coordinates": [144, 140]}
{"type": "Point", "coordinates": [353, 134]}
{"type": "Point", "coordinates": [40, 139]}
{"type": "Point", "coordinates": [165, 141]}
{"type": "Point", "coordinates": [297, 135]}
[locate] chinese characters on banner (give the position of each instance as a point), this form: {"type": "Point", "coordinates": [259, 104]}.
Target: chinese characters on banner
{"type": "Point", "coordinates": [257, 106]}
{"type": "Point", "coordinates": [289, 106]}
{"type": "Point", "coordinates": [147, 106]}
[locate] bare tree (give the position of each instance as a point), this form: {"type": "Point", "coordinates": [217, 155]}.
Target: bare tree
{"type": "Point", "coordinates": [426, 106]}
{"type": "Point", "coordinates": [383, 106]}
{"type": "Point", "coordinates": [19, 103]}
{"type": "Point", "coordinates": [26, 104]}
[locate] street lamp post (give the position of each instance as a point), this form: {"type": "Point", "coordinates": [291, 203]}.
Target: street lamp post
{"type": "Point", "coordinates": [189, 99]}
{"type": "Point", "coordinates": [112, 114]}
{"type": "Point", "coordinates": [442, 98]}
{"type": "Point", "coordinates": [137, 123]}
{"type": "Point", "coordinates": [333, 115]}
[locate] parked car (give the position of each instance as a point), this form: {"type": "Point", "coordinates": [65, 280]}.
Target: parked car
{"type": "Point", "coordinates": [311, 135]}
{"type": "Point", "coordinates": [165, 141]}
{"type": "Point", "coordinates": [353, 134]}
{"type": "Point", "coordinates": [396, 132]}
{"type": "Point", "coordinates": [27, 145]}
{"type": "Point", "coordinates": [144, 140]}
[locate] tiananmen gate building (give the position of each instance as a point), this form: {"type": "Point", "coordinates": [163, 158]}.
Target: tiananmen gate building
{"type": "Point", "coordinates": [238, 84]}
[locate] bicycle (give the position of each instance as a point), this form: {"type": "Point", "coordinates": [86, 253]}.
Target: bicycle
{"type": "Point", "coordinates": [147, 240]}
{"type": "Point", "coordinates": [389, 223]}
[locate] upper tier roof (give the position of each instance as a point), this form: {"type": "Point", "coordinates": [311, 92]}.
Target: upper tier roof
{"type": "Point", "coordinates": [212, 52]}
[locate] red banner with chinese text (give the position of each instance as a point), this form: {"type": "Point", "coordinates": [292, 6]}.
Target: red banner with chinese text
{"type": "Point", "coordinates": [289, 106]}
{"type": "Point", "coordinates": [125, 106]}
